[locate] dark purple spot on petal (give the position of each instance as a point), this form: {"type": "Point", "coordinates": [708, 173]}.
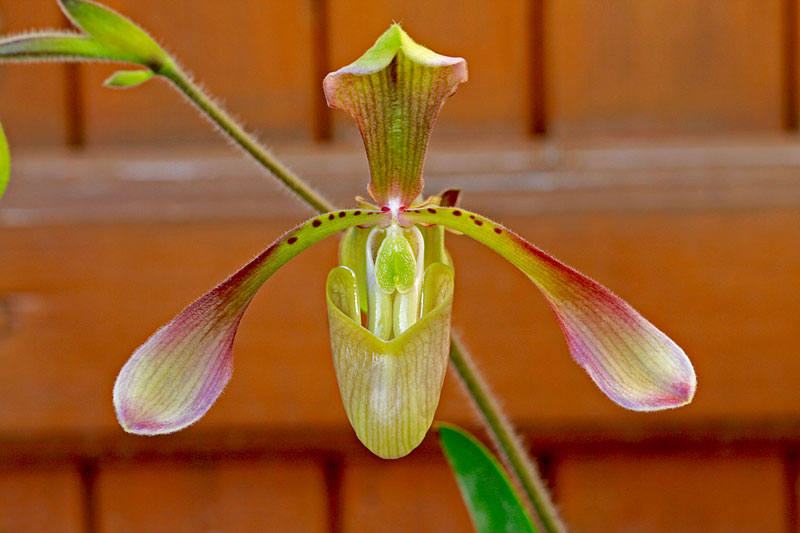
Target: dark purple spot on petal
{"type": "Point", "coordinates": [431, 210]}
{"type": "Point", "coordinates": [331, 216]}
{"type": "Point", "coordinates": [457, 213]}
{"type": "Point", "coordinates": [342, 214]}
{"type": "Point", "coordinates": [316, 223]}
{"type": "Point", "coordinates": [357, 213]}
{"type": "Point", "coordinates": [472, 217]}
{"type": "Point", "coordinates": [292, 240]}
{"type": "Point", "coordinates": [498, 231]}
{"type": "Point", "coordinates": [479, 222]}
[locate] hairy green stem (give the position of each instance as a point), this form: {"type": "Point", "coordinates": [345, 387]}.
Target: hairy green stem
{"type": "Point", "coordinates": [246, 141]}
{"type": "Point", "coordinates": [498, 426]}
{"type": "Point", "coordinates": [505, 439]}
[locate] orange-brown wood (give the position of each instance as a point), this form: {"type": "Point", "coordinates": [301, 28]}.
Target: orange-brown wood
{"type": "Point", "coordinates": [36, 499]}
{"type": "Point", "coordinates": [234, 495]}
{"type": "Point", "coordinates": [33, 101]}
{"type": "Point", "coordinates": [688, 493]}
{"type": "Point", "coordinates": [719, 282]}
{"type": "Point", "coordinates": [254, 56]}
{"type": "Point", "coordinates": [492, 36]}
{"type": "Point", "coordinates": [663, 66]}
{"type": "Point", "coordinates": [412, 494]}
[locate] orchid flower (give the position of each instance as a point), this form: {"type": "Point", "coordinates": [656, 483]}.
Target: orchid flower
{"type": "Point", "coordinates": [390, 300]}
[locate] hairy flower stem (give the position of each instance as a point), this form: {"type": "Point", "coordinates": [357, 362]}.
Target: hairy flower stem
{"type": "Point", "coordinates": [505, 439]}
{"type": "Point", "coordinates": [246, 141]}
{"type": "Point", "coordinates": [497, 424]}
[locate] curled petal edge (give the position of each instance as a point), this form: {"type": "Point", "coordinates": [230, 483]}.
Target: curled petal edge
{"type": "Point", "coordinates": [634, 363]}
{"type": "Point", "coordinates": [178, 373]}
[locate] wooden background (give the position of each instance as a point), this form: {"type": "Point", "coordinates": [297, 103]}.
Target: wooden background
{"type": "Point", "coordinates": [650, 143]}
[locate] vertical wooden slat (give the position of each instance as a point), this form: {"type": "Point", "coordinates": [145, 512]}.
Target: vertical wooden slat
{"type": "Point", "coordinates": [790, 51]}
{"type": "Point", "coordinates": [33, 107]}
{"type": "Point", "coordinates": [255, 56]}
{"type": "Point", "coordinates": [321, 54]}
{"type": "Point", "coordinates": [39, 499]}
{"type": "Point", "coordinates": [492, 36]}
{"type": "Point", "coordinates": [538, 80]}
{"type": "Point", "coordinates": [410, 494]}
{"type": "Point", "coordinates": [664, 66]}
{"type": "Point", "coordinates": [257, 495]}
{"type": "Point", "coordinates": [687, 493]}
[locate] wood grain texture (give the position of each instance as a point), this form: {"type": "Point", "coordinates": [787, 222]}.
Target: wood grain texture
{"type": "Point", "coordinates": [405, 495]}
{"type": "Point", "coordinates": [41, 499]}
{"type": "Point", "coordinates": [33, 102]}
{"type": "Point", "coordinates": [246, 495]}
{"type": "Point", "coordinates": [688, 493]}
{"type": "Point", "coordinates": [492, 36]}
{"type": "Point", "coordinates": [663, 66]}
{"type": "Point", "coordinates": [254, 56]}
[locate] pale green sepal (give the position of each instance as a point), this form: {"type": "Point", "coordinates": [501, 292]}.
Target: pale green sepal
{"type": "Point", "coordinates": [116, 33]}
{"type": "Point", "coordinates": [394, 93]}
{"type": "Point", "coordinates": [124, 79]}
{"type": "Point", "coordinates": [5, 162]}
{"type": "Point", "coordinates": [494, 504]}
{"type": "Point", "coordinates": [390, 389]}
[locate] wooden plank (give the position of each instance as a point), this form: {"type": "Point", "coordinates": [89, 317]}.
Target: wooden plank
{"type": "Point", "coordinates": [82, 297]}
{"type": "Point", "coordinates": [246, 495]}
{"type": "Point", "coordinates": [33, 104]}
{"type": "Point", "coordinates": [41, 499]}
{"type": "Point", "coordinates": [663, 66]}
{"type": "Point", "coordinates": [491, 36]}
{"type": "Point", "coordinates": [413, 494]}
{"type": "Point", "coordinates": [499, 180]}
{"type": "Point", "coordinates": [688, 493]}
{"type": "Point", "coordinates": [255, 56]}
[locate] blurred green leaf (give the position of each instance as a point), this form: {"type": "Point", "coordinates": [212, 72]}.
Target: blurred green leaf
{"type": "Point", "coordinates": [116, 33]}
{"type": "Point", "coordinates": [128, 78]}
{"type": "Point", "coordinates": [109, 36]}
{"type": "Point", "coordinates": [5, 162]}
{"type": "Point", "coordinates": [52, 45]}
{"type": "Point", "coordinates": [492, 501]}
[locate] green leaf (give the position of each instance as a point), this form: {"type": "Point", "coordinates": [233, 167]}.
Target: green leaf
{"type": "Point", "coordinates": [124, 79]}
{"type": "Point", "coordinates": [53, 45]}
{"type": "Point", "coordinates": [5, 162]}
{"type": "Point", "coordinates": [110, 37]}
{"type": "Point", "coordinates": [116, 33]}
{"type": "Point", "coordinates": [493, 503]}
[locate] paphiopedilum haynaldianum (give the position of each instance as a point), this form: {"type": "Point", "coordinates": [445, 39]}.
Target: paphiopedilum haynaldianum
{"type": "Point", "coordinates": [389, 303]}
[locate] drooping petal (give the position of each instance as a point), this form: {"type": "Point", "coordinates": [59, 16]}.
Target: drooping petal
{"type": "Point", "coordinates": [634, 363]}
{"type": "Point", "coordinates": [390, 389]}
{"type": "Point", "coordinates": [175, 376]}
{"type": "Point", "coordinates": [394, 93]}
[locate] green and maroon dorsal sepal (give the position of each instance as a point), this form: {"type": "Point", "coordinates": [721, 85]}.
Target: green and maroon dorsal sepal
{"type": "Point", "coordinates": [394, 93]}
